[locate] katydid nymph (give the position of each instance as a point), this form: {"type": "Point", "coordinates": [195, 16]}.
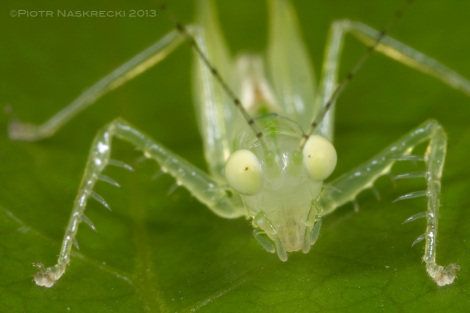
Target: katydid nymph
{"type": "Point", "coordinates": [267, 131]}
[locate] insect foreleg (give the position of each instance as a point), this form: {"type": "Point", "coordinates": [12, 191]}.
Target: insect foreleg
{"type": "Point", "coordinates": [348, 186]}
{"type": "Point", "coordinates": [196, 181]}
{"type": "Point", "coordinates": [388, 46]}
{"type": "Point", "coordinates": [122, 74]}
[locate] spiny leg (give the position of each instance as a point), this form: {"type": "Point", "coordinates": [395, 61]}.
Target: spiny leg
{"type": "Point", "coordinates": [388, 46]}
{"type": "Point", "coordinates": [348, 186]}
{"type": "Point", "coordinates": [127, 71]}
{"type": "Point", "coordinates": [201, 186]}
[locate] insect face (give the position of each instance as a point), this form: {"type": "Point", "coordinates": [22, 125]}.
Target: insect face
{"type": "Point", "coordinates": [280, 186]}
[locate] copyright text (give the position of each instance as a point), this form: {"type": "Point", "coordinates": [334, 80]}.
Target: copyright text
{"type": "Point", "coordinates": [82, 14]}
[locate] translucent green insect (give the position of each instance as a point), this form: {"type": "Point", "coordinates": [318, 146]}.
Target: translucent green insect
{"type": "Point", "coordinates": [270, 167]}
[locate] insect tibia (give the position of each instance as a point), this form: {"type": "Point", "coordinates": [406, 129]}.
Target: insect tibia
{"type": "Point", "coordinates": [346, 187]}
{"type": "Point", "coordinates": [97, 162]}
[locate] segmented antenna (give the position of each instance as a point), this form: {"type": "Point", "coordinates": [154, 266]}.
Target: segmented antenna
{"type": "Point", "coordinates": [319, 118]}
{"type": "Point", "coordinates": [236, 101]}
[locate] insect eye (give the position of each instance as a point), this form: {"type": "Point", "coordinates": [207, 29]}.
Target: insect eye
{"type": "Point", "coordinates": [243, 172]}
{"type": "Point", "coordinates": [319, 157]}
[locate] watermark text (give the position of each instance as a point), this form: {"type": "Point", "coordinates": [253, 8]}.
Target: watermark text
{"type": "Point", "coordinates": [20, 13]}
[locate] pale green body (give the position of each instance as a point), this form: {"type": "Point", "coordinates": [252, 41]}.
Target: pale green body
{"type": "Point", "coordinates": [287, 210]}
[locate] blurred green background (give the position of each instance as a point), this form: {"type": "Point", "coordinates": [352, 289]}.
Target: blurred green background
{"type": "Point", "coordinates": [160, 253]}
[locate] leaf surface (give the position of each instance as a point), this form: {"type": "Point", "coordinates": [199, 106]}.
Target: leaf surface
{"type": "Point", "coordinates": [160, 253]}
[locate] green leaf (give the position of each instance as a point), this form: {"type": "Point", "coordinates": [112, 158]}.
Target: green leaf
{"type": "Point", "coordinates": [159, 253]}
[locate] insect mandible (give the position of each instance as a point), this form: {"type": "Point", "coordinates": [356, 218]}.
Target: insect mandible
{"type": "Point", "coordinates": [268, 167]}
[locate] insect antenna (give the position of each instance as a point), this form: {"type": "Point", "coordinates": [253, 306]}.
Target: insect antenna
{"type": "Point", "coordinates": [319, 118]}
{"type": "Point", "coordinates": [236, 101]}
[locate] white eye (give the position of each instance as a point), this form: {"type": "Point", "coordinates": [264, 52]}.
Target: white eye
{"type": "Point", "coordinates": [243, 172]}
{"type": "Point", "coordinates": [319, 157]}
